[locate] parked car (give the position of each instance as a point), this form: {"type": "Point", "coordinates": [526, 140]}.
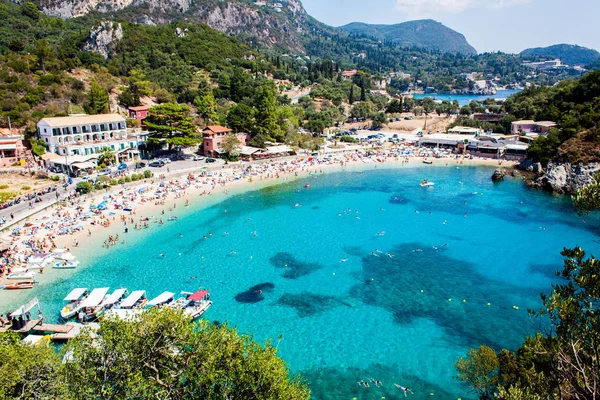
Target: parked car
{"type": "Point", "coordinates": [56, 170]}
{"type": "Point", "coordinates": [140, 164]}
{"type": "Point", "coordinates": [157, 164]}
{"type": "Point", "coordinates": [198, 158]}
{"type": "Point", "coordinates": [210, 160]}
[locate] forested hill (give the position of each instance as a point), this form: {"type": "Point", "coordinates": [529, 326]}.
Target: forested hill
{"type": "Point", "coordinates": [575, 105]}
{"type": "Point", "coordinates": [426, 34]}
{"type": "Point", "coordinates": [568, 53]}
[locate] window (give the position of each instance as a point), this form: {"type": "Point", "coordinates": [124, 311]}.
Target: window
{"type": "Point", "coordinates": [112, 146]}
{"type": "Point", "coordinates": [102, 127]}
{"type": "Point", "coordinates": [65, 131]}
{"type": "Point", "coordinates": [74, 129]}
{"type": "Point", "coordinates": [122, 146]}
{"type": "Point", "coordinates": [84, 129]}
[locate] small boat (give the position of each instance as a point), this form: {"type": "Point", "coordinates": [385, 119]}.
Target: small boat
{"type": "Point", "coordinates": [75, 298]}
{"type": "Point", "coordinates": [195, 304]}
{"type": "Point", "coordinates": [131, 307]}
{"type": "Point", "coordinates": [306, 185]}
{"type": "Point", "coordinates": [19, 270]}
{"type": "Point", "coordinates": [114, 298]}
{"type": "Point", "coordinates": [20, 276]}
{"type": "Point", "coordinates": [173, 218]}
{"type": "Point", "coordinates": [65, 256]}
{"type": "Point", "coordinates": [163, 299]}
{"type": "Point", "coordinates": [425, 183]}
{"type": "Point", "coordinates": [91, 307]}
{"type": "Point", "coordinates": [19, 285]}
{"type": "Point", "coordinates": [66, 265]}
{"type": "Point", "coordinates": [427, 162]}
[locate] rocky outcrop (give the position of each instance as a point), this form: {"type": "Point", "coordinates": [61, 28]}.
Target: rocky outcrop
{"type": "Point", "coordinates": [499, 175]}
{"type": "Point", "coordinates": [281, 23]}
{"type": "Point", "coordinates": [564, 178]}
{"type": "Point", "coordinates": [102, 38]}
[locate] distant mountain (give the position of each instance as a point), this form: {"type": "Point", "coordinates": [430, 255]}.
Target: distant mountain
{"type": "Point", "coordinates": [568, 54]}
{"type": "Point", "coordinates": [427, 34]}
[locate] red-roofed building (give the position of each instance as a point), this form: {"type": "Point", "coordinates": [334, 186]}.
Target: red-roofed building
{"type": "Point", "coordinates": [212, 139]}
{"type": "Point", "coordinates": [140, 112]}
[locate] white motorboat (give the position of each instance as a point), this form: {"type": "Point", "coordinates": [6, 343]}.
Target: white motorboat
{"type": "Point", "coordinates": [20, 276]}
{"type": "Point", "coordinates": [195, 304]}
{"type": "Point", "coordinates": [66, 265]}
{"type": "Point", "coordinates": [163, 299]}
{"type": "Point", "coordinates": [39, 260]}
{"type": "Point", "coordinates": [91, 307]}
{"type": "Point", "coordinates": [131, 307]}
{"type": "Point", "coordinates": [114, 298]}
{"type": "Point", "coordinates": [75, 299]}
{"type": "Point", "coordinates": [426, 183]}
{"type": "Point", "coordinates": [59, 251]}
{"type": "Point", "coordinates": [65, 257]}
{"type": "Point", "coordinates": [19, 270]}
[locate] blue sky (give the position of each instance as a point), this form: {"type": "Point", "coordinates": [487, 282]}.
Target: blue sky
{"type": "Point", "coordinates": [489, 25]}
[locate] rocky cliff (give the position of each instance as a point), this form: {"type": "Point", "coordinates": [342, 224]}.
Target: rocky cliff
{"type": "Point", "coordinates": [281, 23]}
{"type": "Point", "coordinates": [102, 37]}
{"type": "Point", "coordinates": [562, 178]}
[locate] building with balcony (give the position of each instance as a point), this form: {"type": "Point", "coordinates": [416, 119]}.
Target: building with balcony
{"type": "Point", "coordinates": [83, 137]}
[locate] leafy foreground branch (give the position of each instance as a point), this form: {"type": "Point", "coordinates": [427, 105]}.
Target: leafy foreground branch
{"type": "Point", "coordinates": [161, 356]}
{"type": "Point", "coordinates": [561, 364]}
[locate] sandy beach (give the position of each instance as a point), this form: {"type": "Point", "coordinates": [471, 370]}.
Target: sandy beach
{"type": "Point", "coordinates": [158, 200]}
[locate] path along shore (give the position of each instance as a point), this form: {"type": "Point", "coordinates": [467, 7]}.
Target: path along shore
{"type": "Point", "coordinates": [72, 223]}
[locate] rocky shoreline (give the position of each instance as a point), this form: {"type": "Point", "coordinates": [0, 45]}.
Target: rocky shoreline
{"type": "Point", "coordinates": [560, 178]}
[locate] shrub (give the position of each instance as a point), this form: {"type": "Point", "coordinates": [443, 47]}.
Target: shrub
{"type": "Point", "coordinates": [84, 187]}
{"type": "Point", "coordinates": [113, 182]}
{"type": "Point", "coordinates": [55, 178]}
{"type": "Point", "coordinates": [148, 174]}
{"type": "Point", "coordinates": [3, 186]}
{"type": "Point", "coordinates": [127, 179]}
{"type": "Point", "coordinates": [6, 196]}
{"type": "Point", "coordinates": [120, 181]}
{"type": "Point", "coordinates": [348, 139]}
{"type": "Point", "coordinates": [25, 187]}
{"type": "Point", "coordinates": [15, 164]}
{"type": "Point", "coordinates": [41, 174]}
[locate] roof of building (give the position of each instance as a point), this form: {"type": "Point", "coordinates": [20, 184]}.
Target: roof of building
{"type": "Point", "coordinates": [523, 122]}
{"type": "Point", "coordinates": [464, 129]}
{"type": "Point", "coordinates": [82, 119]}
{"type": "Point", "coordinates": [216, 129]}
{"type": "Point", "coordinates": [139, 108]}
{"type": "Point", "coordinates": [546, 123]}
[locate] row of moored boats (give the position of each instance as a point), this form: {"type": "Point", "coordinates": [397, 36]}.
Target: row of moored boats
{"type": "Point", "coordinates": [88, 306]}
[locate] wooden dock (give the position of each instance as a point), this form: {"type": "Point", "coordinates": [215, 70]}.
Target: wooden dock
{"type": "Point", "coordinates": [28, 326]}
{"type": "Point", "coordinates": [52, 328]}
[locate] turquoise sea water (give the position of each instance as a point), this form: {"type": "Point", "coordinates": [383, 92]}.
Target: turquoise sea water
{"type": "Point", "coordinates": [464, 99]}
{"type": "Point", "coordinates": [373, 316]}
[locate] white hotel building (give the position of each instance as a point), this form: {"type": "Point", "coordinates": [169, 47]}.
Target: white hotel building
{"type": "Point", "coordinates": [81, 138]}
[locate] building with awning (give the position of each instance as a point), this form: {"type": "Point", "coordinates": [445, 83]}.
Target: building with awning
{"type": "Point", "coordinates": [87, 135]}
{"type": "Point", "coordinates": [73, 164]}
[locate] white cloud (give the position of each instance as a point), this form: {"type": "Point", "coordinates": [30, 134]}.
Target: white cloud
{"type": "Point", "coordinates": [420, 7]}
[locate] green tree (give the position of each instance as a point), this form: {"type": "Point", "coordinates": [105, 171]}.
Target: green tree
{"type": "Point", "coordinates": [106, 157]}
{"type": "Point", "coordinates": [29, 372]}
{"type": "Point", "coordinates": [37, 146]}
{"type": "Point", "coordinates": [206, 106]}
{"type": "Point", "coordinates": [97, 100]}
{"type": "Point", "coordinates": [162, 355]}
{"type": "Point", "coordinates": [379, 120]}
{"type": "Point", "coordinates": [266, 118]}
{"type": "Point", "coordinates": [232, 146]}
{"type": "Point", "coordinates": [84, 187]}
{"type": "Point", "coordinates": [394, 107]}
{"type": "Point", "coordinates": [479, 371]}
{"type": "Point", "coordinates": [30, 10]}
{"type": "Point", "coordinates": [588, 198]}
{"type": "Point", "coordinates": [44, 52]}
{"type": "Point", "coordinates": [240, 118]}
{"type": "Point", "coordinates": [172, 124]}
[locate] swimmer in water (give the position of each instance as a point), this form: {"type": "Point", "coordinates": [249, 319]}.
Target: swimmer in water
{"type": "Point", "coordinates": [161, 255]}
{"type": "Point", "coordinates": [343, 260]}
